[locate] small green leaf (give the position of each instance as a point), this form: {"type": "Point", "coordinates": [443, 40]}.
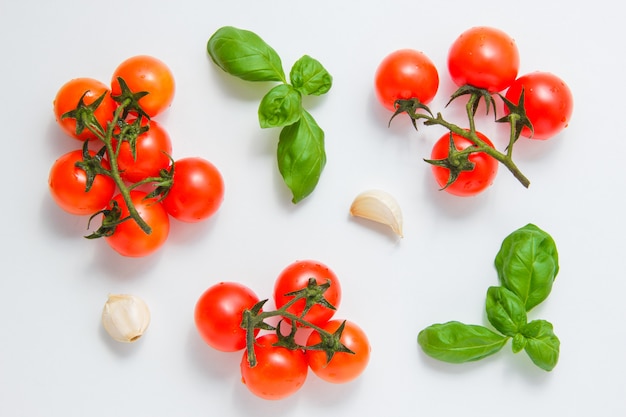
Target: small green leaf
{"type": "Point", "coordinates": [505, 311]}
{"type": "Point", "coordinates": [457, 342]}
{"type": "Point", "coordinates": [542, 345]}
{"type": "Point", "coordinates": [281, 106]}
{"type": "Point", "coordinates": [245, 55]}
{"type": "Point", "coordinates": [527, 264]}
{"type": "Point", "coordinates": [519, 343]}
{"type": "Point", "coordinates": [309, 77]}
{"type": "Point", "coordinates": [301, 156]}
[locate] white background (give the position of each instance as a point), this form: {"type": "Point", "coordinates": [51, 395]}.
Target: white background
{"type": "Point", "coordinates": [55, 359]}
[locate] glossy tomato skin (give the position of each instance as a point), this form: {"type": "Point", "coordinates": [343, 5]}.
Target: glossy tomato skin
{"type": "Point", "coordinates": [197, 191]}
{"type": "Point", "coordinates": [150, 74]}
{"type": "Point", "coordinates": [296, 277]}
{"type": "Point", "coordinates": [548, 102]}
{"type": "Point", "coordinates": [279, 373]}
{"type": "Point", "coordinates": [218, 314]}
{"type": "Point", "coordinates": [406, 74]}
{"type": "Point", "coordinates": [152, 149]}
{"type": "Point", "coordinates": [468, 183]}
{"type": "Point", "coordinates": [129, 239]}
{"type": "Point", "coordinates": [67, 99]}
{"type": "Point", "coordinates": [67, 184]}
{"type": "Point", "coordinates": [484, 57]}
{"type": "Point", "coordinates": [343, 367]}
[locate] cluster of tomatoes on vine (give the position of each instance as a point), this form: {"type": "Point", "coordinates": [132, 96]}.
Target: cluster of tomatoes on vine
{"type": "Point", "coordinates": [277, 356]}
{"type": "Point", "coordinates": [483, 62]}
{"type": "Point", "coordinates": [124, 172]}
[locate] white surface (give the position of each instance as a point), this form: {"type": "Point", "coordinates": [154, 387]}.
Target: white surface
{"type": "Point", "coordinates": [55, 359]}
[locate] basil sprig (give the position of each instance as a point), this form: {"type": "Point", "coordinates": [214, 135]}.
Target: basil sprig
{"type": "Point", "coordinates": [301, 153]}
{"type": "Point", "coordinates": [527, 264]}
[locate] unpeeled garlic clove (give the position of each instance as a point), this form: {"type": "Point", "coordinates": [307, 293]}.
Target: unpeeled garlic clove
{"type": "Point", "coordinates": [378, 206]}
{"type": "Point", "coordinates": [125, 317]}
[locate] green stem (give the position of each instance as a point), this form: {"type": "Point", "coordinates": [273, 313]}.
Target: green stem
{"type": "Point", "coordinates": [114, 171]}
{"type": "Point", "coordinates": [252, 323]}
{"type": "Point", "coordinates": [481, 146]}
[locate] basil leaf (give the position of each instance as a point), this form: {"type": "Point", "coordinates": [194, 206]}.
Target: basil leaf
{"type": "Point", "coordinates": [519, 343]}
{"type": "Point", "coordinates": [301, 156]}
{"type": "Point", "coordinates": [527, 264]}
{"type": "Point", "coordinates": [281, 106]}
{"type": "Point", "coordinates": [542, 345]}
{"type": "Point", "coordinates": [457, 342]}
{"type": "Point", "coordinates": [309, 77]}
{"type": "Point", "coordinates": [505, 311]}
{"type": "Point", "coordinates": [245, 55]}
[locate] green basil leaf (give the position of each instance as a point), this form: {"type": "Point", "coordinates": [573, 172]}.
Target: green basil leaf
{"type": "Point", "coordinates": [309, 77]}
{"type": "Point", "coordinates": [457, 342]}
{"type": "Point", "coordinates": [519, 343]}
{"type": "Point", "coordinates": [527, 264]}
{"type": "Point", "coordinates": [281, 106]}
{"type": "Point", "coordinates": [542, 345]}
{"type": "Point", "coordinates": [245, 55]}
{"type": "Point", "coordinates": [301, 156]}
{"type": "Point", "coordinates": [505, 311]}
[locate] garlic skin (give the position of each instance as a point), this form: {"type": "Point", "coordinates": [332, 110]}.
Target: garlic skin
{"type": "Point", "coordinates": [125, 317]}
{"type": "Point", "coordinates": [378, 206]}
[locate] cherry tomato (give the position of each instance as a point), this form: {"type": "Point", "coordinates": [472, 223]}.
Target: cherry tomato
{"type": "Point", "coordinates": [279, 372]}
{"type": "Point", "coordinates": [149, 74]}
{"type": "Point", "coordinates": [67, 184]}
{"type": "Point", "coordinates": [548, 102]}
{"type": "Point", "coordinates": [468, 183]}
{"type": "Point", "coordinates": [129, 239]}
{"type": "Point", "coordinates": [197, 191]}
{"type": "Point", "coordinates": [219, 312]}
{"type": "Point", "coordinates": [406, 74]}
{"type": "Point", "coordinates": [344, 366]}
{"type": "Point", "coordinates": [484, 57]}
{"type": "Point", "coordinates": [67, 99]}
{"type": "Point", "coordinates": [151, 150]}
{"type": "Point", "coordinates": [296, 277]}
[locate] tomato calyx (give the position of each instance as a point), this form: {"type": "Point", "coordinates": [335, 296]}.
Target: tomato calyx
{"type": "Point", "coordinates": [456, 162]}
{"type": "Point", "coordinates": [85, 115]}
{"type": "Point", "coordinates": [476, 94]}
{"type": "Point", "coordinates": [313, 294]}
{"type": "Point", "coordinates": [92, 165]}
{"type": "Point", "coordinates": [111, 219]}
{"type": "Point", "coordinates": [130, 100]}
{"type": "Point", "coordinates": [331, 343]}
{"type": "Point", "coordinates": [412, 106]}
{"type": "Point", "coordinates": [516, 117]}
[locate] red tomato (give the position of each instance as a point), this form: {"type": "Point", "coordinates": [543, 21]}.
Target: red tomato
{"type": "Point", "coordinates": [68, 182]}
{"type": "Point", "coordinates": [129, 239]}
{"type": "Point", "coordinates": [484, 57]}
{"type": "Point", "coordinates": [468, 183]}
{"type": "Point", "coordinates": [344, 366]}
{"type": "Point", "coordinates": [146, 73]}
{"type": "Point", "coordinates": [197, 190]}
{"type": "Point", "coordinates": [296, 277]}
{"type": "Point", "coordinates": [548, 102]}
{"type": "Point", "coordinates": [406, 74]}
{"type": "Point", "coordinates": [219, 312]}
{"type": "Point", "coordinates": [279, 372]}
{"type": "Point", "coordinates": [67, 99]}
{"type": "Point", "coordinates": [151, 148]}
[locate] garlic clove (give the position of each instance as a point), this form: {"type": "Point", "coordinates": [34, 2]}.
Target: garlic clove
{"type": "Point", "coordinates": [378, 206]}
{"type": "Point", "coordinates": [125, 317]}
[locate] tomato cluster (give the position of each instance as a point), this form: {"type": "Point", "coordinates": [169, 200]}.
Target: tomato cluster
{"type": "Point", "coordinates": [125, 171]}
{"type": "Point", "coordinates": [229, 317]}
{"type": "Point", "coordinates": [482, 61]}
